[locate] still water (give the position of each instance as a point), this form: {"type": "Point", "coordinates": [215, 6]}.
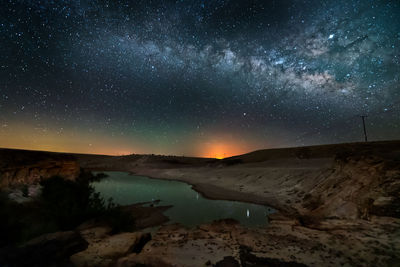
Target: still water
{"type": "Point", "coordinates": [189, 207]}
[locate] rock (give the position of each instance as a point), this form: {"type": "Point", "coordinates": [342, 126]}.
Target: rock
{"type": "Point", "coordinates": [228, 261]}
{"type": "Point", "coordinates": [145, 217]}
{"type": "Point", "coordinates": [176, 245]}
{"type": "Point", "coordinates": [29, 174]}
{"type": "Point", "coordinates": [347, 210]}
{"type": "Point", "coordinates": [103, 252]}
{"type": "Point", "coordinates": [383, 201]}
{"type": "Point", "coordinates": [17, 194]}
{"type": "Point", "coordinates": [387, 206]}
{"type": "Point", "coordinates": [47, 250]}
{"type": "Point", "coordinates": [248, 259]}
{"type": "Point", "coordinates": [140, 261]}
{"type": "Point", "coordinates": [28, 167]}
{"type": "Point", "coordinates": [96, 234]}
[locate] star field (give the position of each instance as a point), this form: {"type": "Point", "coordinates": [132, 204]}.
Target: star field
{"type": "Point", "coordinates": [197, 77]}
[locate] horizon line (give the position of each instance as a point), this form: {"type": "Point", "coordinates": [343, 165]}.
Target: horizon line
{"type": "Point", "coordinates": [153, 154]}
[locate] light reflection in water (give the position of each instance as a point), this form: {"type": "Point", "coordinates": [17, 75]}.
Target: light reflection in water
{"type": "Point", "coordinates": [190, 207]}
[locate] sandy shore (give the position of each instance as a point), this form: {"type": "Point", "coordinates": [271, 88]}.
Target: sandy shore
{"type": "Point", "coordinates": [339, 205]}
{"type": "Point", "coordinates": [253, 183]}
{"type": "Point", "coordinates": [344, 200]}
{"type": "Point", "coordinates": [282, 243]}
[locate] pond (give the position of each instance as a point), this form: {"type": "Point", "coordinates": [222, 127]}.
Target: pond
{"type": "Point", "coordinates": [189, 207]}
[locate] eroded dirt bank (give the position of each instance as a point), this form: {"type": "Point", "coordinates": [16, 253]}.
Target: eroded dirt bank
{"type": "Point", "coordinates": [21, 167]}
{"type": "Point", "coordinates": [339, 205]}
{"type": "Point", "coordinates": [282, 243]}
{"type": "Point", "coordinates": [349, 181]}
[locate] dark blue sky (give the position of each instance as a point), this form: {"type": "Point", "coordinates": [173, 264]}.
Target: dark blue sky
{"type": "Point", "coordinates": [197, 77]}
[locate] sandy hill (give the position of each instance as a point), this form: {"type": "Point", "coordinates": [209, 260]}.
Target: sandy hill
{"type": "Point", "coordinates": [384, 148]}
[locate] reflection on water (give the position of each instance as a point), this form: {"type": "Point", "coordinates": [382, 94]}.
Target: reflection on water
{"type": "Point", "coordinates": [190, 208]}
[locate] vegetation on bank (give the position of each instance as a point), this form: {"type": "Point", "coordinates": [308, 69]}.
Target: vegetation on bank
{"type": "Point", "coordinates": [63, 205]}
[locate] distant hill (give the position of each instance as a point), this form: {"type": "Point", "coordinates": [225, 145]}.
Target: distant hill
{"type": "Point", "coordinates": [320, 151]}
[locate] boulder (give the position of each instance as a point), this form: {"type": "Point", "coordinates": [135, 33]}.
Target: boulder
{"type": "Point", "coordinates": [105, 251]}
{"type": "Point", "coordinates": [32, 173]}
{"type": "Point", "coordinates": [228, 261]}
{"type": "Point", "coordinates": [383, 201]}
{"type": "Point", "coordinates": [141, 260]}
{"type": "Point", "coordinates": [52, 249]}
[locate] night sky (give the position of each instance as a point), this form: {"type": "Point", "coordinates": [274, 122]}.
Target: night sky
{"type": "Point", "coordinates": [197, 77]}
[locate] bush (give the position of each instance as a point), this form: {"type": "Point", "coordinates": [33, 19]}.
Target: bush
{"type": "Point", "coordinates": [119, 220]}
{"type": "Point", "coordinates": [70, 203]}
{"type": "Point", "coordinates": [9, 224]}
{"type": "Point", "coordinates": [63, 205]}
{"type": "Point", "coordinates": [100, 176]}
{"type": "Point", "coordinates": [25, 190]}
{"type": "Point", "coordinates": [21, 222]}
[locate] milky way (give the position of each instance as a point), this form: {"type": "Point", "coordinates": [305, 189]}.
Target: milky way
{"type": "Point", "coordinates": [180, 77]}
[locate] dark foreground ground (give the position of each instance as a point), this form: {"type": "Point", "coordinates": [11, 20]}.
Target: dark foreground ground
{"type": "Point", "coordinates": [339, 205]}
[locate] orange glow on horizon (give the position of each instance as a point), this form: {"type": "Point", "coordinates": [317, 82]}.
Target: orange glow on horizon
{"type": "Point", "coordinates": [99, 151]}
{"type": "Point", "coordinates": [222, 150]}
{"type": "Point", "coordinates": [26, 137]}
{"type": "Point", "coordinates": [29, 137]}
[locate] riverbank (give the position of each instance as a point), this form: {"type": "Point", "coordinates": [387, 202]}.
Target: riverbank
{"type": "Point", "coordinates": [341, 181]}
{"type": "Point", "coordinates": [338, 205]}
{"type": "Point", "coordinates": [281, 243]}
{"type": "Point", "coordinates": [344, 199]}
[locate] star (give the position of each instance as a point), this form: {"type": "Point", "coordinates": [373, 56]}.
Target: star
{"type": "Point", "coordinates": [156, 70]}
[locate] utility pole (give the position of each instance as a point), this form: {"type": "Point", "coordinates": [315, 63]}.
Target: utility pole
{"type": "Point", "coordinates": [365, 129]}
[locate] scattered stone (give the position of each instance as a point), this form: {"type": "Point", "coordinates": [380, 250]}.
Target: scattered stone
{"type": "Point", "coordinates": [383, 201]}
{"type": "Point", "coordinates": [105, 251]}
{"type": "Point", "coordinates": [228, 261]}
{"type": "Point", "coordinates": [47, 250]}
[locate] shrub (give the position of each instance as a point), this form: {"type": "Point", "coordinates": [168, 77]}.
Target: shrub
{"type": "Point", "coordinates": [119, 220]}
{"type": "Point", "coordinates": [9, 223]}
{"type": "Point", "coordinates": [25, 190]}
{"type": "Point", "coordinates": [69, 203]}
{"type": "Point", "coordinates": [21, 222]}
{"type": "Point", "coordinates": [63, 205]}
